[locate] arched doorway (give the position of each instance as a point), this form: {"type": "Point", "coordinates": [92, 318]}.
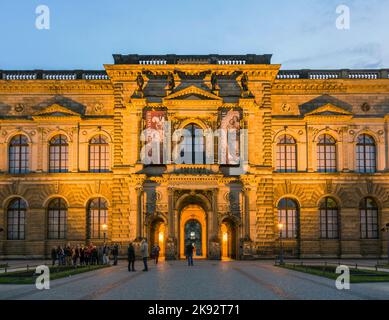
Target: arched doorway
{"type": "Point", "coordinates": [158, 235]}
{"type": "Point", "coordinates": [193, 228]}
{"type": "Point", "coordinates": [228, 238]}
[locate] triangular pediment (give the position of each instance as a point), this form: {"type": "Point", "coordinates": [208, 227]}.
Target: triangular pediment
{"type": "Point", "coordinates": [329, 110]}
{"type": "Point", "coordinates": [192, 93]}
{"type": "Point", "coordinates": [56, 110]}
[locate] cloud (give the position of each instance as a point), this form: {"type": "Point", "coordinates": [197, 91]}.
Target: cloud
{"type": "Point", "coordinates": [365, 55]}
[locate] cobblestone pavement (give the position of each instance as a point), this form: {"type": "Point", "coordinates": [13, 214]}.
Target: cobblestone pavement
{"type": "Point", "coordinates": [222, 280]}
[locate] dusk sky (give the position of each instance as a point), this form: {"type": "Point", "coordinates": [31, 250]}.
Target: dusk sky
{"type": "Point", "coordinates": [300, 33]}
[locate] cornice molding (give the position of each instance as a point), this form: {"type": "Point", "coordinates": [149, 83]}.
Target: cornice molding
{"type": "Point", "coordinates": [329, 107]}
{"type": "Point", "coordinates": [129, 72]}
{"type": "Point", "coordinates": [192, 90]}
{"type": "Point", "coordinates": [298, 86]}
{"type": "Point", "coordinates": [55, 86]}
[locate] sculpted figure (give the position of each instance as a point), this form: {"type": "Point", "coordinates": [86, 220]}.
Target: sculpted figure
{"type": "Point", "coordinates": [139, 82]}
{"type": "Point", "coordinates": [170, 81]}
{"type": "Point", "coordinates": [214, 83]}
{"type": "Point", "coordinates": [244, 83]}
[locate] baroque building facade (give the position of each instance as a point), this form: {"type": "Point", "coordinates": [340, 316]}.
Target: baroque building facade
{"type": "Point", "coordinates": [73, 146]}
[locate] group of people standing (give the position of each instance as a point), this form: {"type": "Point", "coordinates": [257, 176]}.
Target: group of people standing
{"type": "Point", "coordinates": [144, 250]}
{"type": "Point", "coordinates": [84, 255]}
{"type": "Point", "coordinates": [94, 255]}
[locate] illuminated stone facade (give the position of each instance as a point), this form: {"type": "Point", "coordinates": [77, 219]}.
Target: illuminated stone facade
{"type": "Point", "coordinates": [236, 215]}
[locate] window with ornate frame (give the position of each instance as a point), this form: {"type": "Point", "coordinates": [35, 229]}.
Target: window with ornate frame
{"type": "Point", "coordinates": [194, 144]}
{"type": "Point", "coordinates": [326, 154]}
{"type": "Point", "coordinates": [286, 157]}
{"type": "Point", "coordinates": [58, 154]}
{"type": "Point", "coordinates": [57, 212]}
{"type": "Point", "coordinates": [16, 218]}
{"type": "Point", "coordinates": [18, 154]}
{"type": "Point", "coordinates": [98, 154]}
{"type": "Point", "coordinates": [97, 217]}
{"type": "Point", "coordinates": [329, 224]}
{"type": "Point", "coordinates": [369, 219]}
{"type": "Point", "coordinates": [366, 154]}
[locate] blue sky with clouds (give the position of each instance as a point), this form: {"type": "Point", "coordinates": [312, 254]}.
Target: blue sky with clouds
{"type": "Point", "coordinates": [300, 33]}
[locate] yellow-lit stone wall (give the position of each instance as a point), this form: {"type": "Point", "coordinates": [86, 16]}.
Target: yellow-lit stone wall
{"type": "Point", "coordinates": [139, 197]}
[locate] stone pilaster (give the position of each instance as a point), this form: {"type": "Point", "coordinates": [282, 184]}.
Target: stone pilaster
{"type": "Point", "coordinates": [265, 235]}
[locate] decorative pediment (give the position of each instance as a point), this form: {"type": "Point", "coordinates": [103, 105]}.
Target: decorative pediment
{"type": "Point", "coordinates": [56, 110]}
{"type": "Point", "coordinates": [192, 93]}
{"type": "Point", "coordinates": [329, 110]}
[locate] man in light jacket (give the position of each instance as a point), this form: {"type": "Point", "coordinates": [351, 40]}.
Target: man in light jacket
{"type": "Point", "coordinates": [144, 250]}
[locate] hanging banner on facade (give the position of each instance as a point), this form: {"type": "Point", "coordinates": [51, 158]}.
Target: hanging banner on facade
{"type": "Point", "coordinates": [156, 121]}
{"type": "Point", "coordinates": [229, 136]}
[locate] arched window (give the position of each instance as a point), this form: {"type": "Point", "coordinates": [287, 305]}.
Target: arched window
{"type": "Point", "coordinates": [18, 154]}
{"type": "Point", "coordinates": [369, 219]}
{"type": "Point", "coordinates": [328, 219]}
{"type": "Point", "coordinates": [194, 145]}
{"type": "Point", "coordinates": [326, 154]}
{"type": "Point", "coordinates": [286, 154]}
{"type": "Point", "coordinates": [366, 154]}
{"type": "Point", "coordinates": [58, 154]}
{"type": "Point", "coordinates": [97, 217]}
{"type": "Point", "coordinates": [288, 215]}
{"type": "Point", "coordinates": [16, 215]}
{"type": "Point", "coordinates": [98, 154]}
{"type": "Point", "coordinates": [57, 219]}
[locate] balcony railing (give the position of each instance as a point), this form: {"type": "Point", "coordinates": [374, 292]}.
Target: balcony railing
{"type": "Point", "coordinates": [333, 74]}
{"type": "Point", "coordinates": [283, 74]}
{"type": "Point", "coordinates": [53, 75]}
{"type": "Point", "coordinates": [192, 59]}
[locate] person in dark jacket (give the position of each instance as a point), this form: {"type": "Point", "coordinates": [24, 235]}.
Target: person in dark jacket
{"type": "Point", "coordinates": [115, 253]}
{"type": "Point", "coordinates": [189, 253]}
{"type": "Point", "coordinates": [131, 257]}
{"type": "Point", "coordinates": [54, 255]}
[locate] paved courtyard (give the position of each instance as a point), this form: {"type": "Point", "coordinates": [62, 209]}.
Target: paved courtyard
{"type": "Point", "coordinates": [222, 280]}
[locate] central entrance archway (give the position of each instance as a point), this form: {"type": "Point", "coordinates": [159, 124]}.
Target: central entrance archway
{"type": "Point", "coordinates": [228, 235]}
{"type": "Point", "coordinates": [157, 236]}
{"type": "Point", "coordinates": [193, 229]}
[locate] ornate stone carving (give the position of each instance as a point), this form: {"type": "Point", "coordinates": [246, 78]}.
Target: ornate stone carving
{"type": "Point", "coordinates": [365, 107]}
{"type": "Point", "coordinates": [369, 186]}
{"type": "Point", "coordinates": [329, 186]}
{"type": "Point", "coordinates": [19, 107]}
{"type": "Point", "coordinates": [98, 107]}
{"type": "Point", "coordinates": [285, 107]}
{"type": "Point", "coordinates": [170, 82]}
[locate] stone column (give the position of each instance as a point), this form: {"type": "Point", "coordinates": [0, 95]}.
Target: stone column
{"type": "Point", "coordinates": [214, 250]}
{"type": "Point", "coordinates": [215, 225]}
{"type": "Point", "coordinates": [246, 229]}
{"type": "Point", "coordinates": [171, 243]}
{"type": "Point", "coordinates": [139, 222]}
{"type": "Point", "coordinates": [171, 211]}
{"type": "Point", "coordinates": [3, 235]}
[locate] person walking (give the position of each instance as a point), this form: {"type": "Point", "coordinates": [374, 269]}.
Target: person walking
{"type": "Point", "coordinates": [54, 255]}
{"type": "Point", "coordinates": [189, 253]}
{"type": "Point", "coordinates": [115, 253]}
{"type": "Point", "coordinates": [131, 257]}
{"type": "Point", "coordinates": [144, 250]}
